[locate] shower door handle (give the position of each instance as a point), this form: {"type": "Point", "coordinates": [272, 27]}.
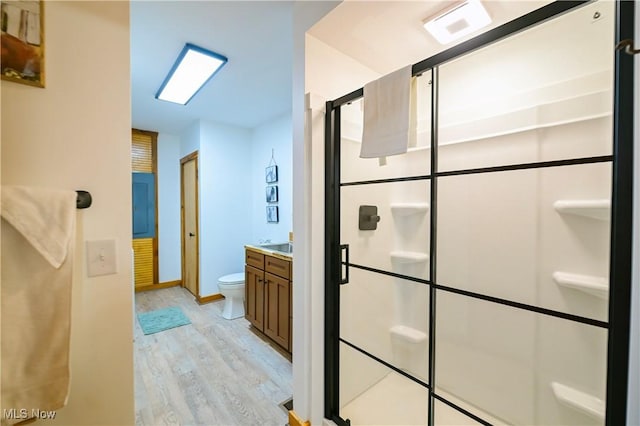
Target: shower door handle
{"type": "Point", "coordinates": [344, 248]}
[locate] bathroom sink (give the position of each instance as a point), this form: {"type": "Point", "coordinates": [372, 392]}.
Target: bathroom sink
{"type": "Point", "coordinates": [282, 247]}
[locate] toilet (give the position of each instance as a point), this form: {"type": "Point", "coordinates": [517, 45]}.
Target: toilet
{"type": "Point", "coordinates": [232, 288]}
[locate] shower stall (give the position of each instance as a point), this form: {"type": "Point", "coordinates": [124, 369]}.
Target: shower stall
{"type": "Point", "coordinates": [483, 276]}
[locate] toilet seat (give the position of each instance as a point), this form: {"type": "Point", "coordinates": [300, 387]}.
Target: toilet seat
{"type": "Point", "coordinates": [231, 279]}
{"type": "Point", "coordinates": [228, 286]}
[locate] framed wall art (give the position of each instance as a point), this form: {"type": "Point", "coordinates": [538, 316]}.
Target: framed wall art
{"type": "Point", "coordinates": [272, 194]}
{"type": "Point", "coordinates": [272, 214]}
{"type": "Point", "coordinates": [271, 174]}
{"type": "Point", "coordinates": [22, 24]}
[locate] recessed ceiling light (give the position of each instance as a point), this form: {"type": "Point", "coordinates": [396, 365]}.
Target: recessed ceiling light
{"type": "Point", "coordinates": [457, 22]}
{"type": "Point", "coordinates": [193, 68]}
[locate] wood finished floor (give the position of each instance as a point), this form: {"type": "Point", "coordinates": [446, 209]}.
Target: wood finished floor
{"type": "Point", "coordinates": [211, 372]}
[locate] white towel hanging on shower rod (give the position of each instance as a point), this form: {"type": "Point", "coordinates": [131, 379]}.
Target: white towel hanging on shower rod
{"type": "Point", "coordinates": [390, 115]}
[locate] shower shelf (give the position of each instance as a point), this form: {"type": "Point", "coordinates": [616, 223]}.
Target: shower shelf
{"type": "Point", "coordinates": [410, 149]}
{"type": "Point", "coordinates": [595, 286]}
{"type": "Point", "coordinates": [408, 334]}
{"type": "Point", "coordinates": [576, 109]}
{"type": "Point", "coordinates": [594, 209]}
{"type": "Point", "coordinates": [406, 209]}
{"type": "Point", "coordinates": [409, 256]}
{"type": "Point", "coordinates": [579, 400]}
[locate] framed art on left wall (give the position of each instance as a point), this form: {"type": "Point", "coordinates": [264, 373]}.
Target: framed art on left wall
{"type": "Point", "coordinates": [272, 214]}
{"type": "Point", "coordinates": [22, 24]}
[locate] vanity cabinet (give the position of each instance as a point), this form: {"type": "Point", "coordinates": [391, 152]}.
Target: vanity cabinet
{"type": "Point", "coordinates": [268, 296]}
{"type": "Point", "coordinates": [254, 296]}
{"type": "Point", "coordinates": [277, 306]}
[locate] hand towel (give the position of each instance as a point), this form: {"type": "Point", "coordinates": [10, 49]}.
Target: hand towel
{"type": "Point", "coordinates": [390, 115]}
{"type": "Point", "coordinates": [38, 232]}
{"type": "Point", "coordinates": [45, 217]}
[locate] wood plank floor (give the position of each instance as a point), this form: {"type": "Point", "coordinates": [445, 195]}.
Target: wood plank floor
{"type": "Point", "coordinates": [211, 372]}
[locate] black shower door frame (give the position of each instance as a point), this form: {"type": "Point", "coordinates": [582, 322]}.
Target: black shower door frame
{"type": "Point", "coordinates": [337, 265]}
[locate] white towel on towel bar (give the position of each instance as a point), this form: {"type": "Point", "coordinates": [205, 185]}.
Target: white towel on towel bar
{"type": "Point", "coordinates": [38, 232]}
{"type": "Point", "coordinates": [45, 217]}
{"type": "Point", "coordinates": [390, 115]}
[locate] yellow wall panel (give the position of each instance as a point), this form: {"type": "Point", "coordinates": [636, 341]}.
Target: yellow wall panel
{"type": "Point", "coordinates": [143, 261]}
{"type": "Point", "coordinates": [142, 153]}
{"type": "Point", "coordinates": [143, 161]}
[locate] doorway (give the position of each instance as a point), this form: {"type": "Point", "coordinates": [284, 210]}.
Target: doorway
{"type": "Point", "coordinates": [189, 216]}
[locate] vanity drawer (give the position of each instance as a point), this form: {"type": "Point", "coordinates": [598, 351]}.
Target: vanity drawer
{"type": "Point", "coordinates": [254, 259]}
{"type": "Point", "coordinates": [279, 267]}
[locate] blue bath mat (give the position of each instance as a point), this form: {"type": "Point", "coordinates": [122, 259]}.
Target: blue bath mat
{"type": "Point", "coordinates": [162, 319]}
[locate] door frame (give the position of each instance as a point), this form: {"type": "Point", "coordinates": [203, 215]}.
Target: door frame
{"type": "Point", "coordinates": [183, 161]}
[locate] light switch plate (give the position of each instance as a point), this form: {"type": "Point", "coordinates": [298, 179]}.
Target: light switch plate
{"type": "Point", "coordinates": [101, 258]}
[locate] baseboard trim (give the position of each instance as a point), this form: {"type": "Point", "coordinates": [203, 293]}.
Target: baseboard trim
{"type": "Point", "coordinates": [159, 286]}
{"type": "Point", "coordinates": [294, 420]}
{"type": "Point", "coordinates": [209, 299]}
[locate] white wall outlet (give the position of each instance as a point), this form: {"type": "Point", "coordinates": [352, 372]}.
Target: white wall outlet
{"type": "Point", "coordinates": [101, 258]}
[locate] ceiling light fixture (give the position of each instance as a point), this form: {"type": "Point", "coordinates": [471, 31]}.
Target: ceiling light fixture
{"type": "Point", "coordinates": [193, 68]}
{"type": "Point", "coordinates": [457, 22]}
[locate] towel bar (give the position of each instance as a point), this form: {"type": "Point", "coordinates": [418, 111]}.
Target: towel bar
{"type": "Point", "coordinates": [84, 200]}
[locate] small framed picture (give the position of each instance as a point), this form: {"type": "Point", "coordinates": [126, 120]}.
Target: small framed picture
{"type": "Point", "coordinates": [271, 174]}
{"type": "Point", "coordinates": [272, 214]}
{"type": "Point", "coordinates": [272, 194]}
{"type": "Point", "coordinates": [22, 41]}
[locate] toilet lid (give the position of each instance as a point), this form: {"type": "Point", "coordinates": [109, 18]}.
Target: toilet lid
{"type": "Point", "coordinates": [232, 278]}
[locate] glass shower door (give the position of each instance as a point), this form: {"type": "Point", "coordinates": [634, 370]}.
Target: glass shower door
{"type": "Point", "coordinates": [385, 226]}
{"type": "Point", "coordinates": [523, 213]}
{"type": "Point", "coordinates": [478, 269]}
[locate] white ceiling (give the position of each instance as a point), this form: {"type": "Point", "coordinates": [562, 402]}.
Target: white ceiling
{"type": "Point", "coordinates": [256, 36]}
{"type": "Point", "coordinates": [253, 87]}
{"type": "Point", "coordinates": [387, 35]}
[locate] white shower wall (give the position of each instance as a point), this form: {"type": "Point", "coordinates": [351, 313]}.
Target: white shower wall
{"type": "Point", "coordinates": [371, 304]}
{"type": "Point", "coordinates": [541, 95]}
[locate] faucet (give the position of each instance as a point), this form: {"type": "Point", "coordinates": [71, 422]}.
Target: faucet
{"type": "Point", "coordinates": [267, 241]}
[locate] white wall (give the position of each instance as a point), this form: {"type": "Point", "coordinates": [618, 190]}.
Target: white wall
{"type": "Point", "coordinates": [224, 159]}
{"type": "Point", "coordinates": [169, 253]}
{"type": "Point", "coordinates": [76, 134]}
{"type": "Point", "coordinates": [225, 202]}
{"type": "Point", "coordinates": [190, 139]}
{"type": "Point", "coordinates": [274, 135]}
{"type": "Point", "coordinates": [328, 74]}
{"type": "Point", "coordinates": [307, 303]}
{"type": "Point", "coordinates": [634, 358]}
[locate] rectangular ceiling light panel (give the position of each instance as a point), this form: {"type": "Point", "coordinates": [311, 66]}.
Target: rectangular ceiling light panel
{"type": "Point", "coordinates": [458, 22]}
{"type": "Point", "coordinates": [193, 68]}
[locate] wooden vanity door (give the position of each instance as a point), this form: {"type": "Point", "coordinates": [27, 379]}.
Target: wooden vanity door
{"type": "Point", "coordinates": [254, 297]}
{"type": "Point", "coordinates": [277, 319]}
